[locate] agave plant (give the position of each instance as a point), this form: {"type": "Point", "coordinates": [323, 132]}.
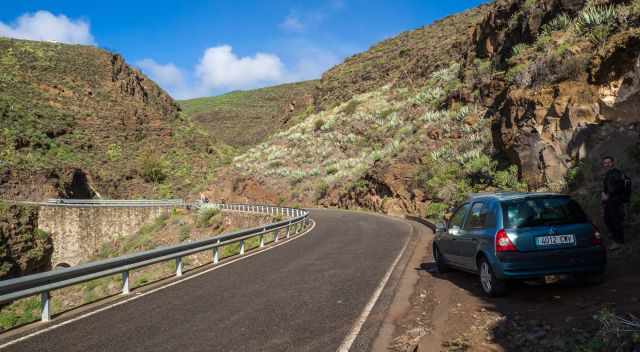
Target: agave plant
{"type": "Point", "coordinates": [559, 23]}
{"type": "Point", "coordinates": [595, 16]}
{"type": "Point", "coordinates": [447, 74]}
{"type": "Point", "coordinates": [519, 49]}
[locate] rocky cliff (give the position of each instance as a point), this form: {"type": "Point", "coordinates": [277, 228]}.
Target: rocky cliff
{"type": "Point", "coordinates": [24, 249]}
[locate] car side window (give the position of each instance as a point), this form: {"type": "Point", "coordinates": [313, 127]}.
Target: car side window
{"type": "Point", "coordinates": [458, 218]}
{"type": "Point", "coordinates": [480, 217]}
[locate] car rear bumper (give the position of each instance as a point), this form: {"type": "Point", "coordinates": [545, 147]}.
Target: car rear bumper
{"type": "Point", "coordinates": [524, 265]}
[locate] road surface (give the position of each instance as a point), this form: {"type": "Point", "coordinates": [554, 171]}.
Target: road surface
{"type": "Point", "coordinates": [305, 295]}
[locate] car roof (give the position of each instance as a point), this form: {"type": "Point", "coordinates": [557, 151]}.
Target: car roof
{"type": "Point", "coordinates": [504, 196]}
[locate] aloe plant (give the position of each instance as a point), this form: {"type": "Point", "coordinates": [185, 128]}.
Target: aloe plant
{"type": "Point", "coordinates": [594, 16]}
{"type": "Point", "coordinates": [559, 23]}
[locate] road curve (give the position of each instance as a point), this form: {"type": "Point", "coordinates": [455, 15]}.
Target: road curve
{"type": "Point", "coordinates": [302, 296]}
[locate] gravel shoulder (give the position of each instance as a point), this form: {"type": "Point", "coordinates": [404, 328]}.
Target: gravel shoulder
{"type": "Point", "coordinates": [448, 312]}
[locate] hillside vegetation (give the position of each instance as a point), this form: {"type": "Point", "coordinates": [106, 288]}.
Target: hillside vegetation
{"type": "Point", "coordinates": [245, 118]}
{"type": "Point", "coordinates": [77, 121]}
{"type": "Point", "coordinates": [514, 95]}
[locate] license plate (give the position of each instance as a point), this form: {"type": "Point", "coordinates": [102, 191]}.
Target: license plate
{"type": "Point", "coordinates": [555, 240]}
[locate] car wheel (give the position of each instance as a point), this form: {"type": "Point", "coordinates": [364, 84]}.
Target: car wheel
{"type": "Point", "coordinates": [491, 285]}
{"type": "Point", "coordinates": [441, 266]}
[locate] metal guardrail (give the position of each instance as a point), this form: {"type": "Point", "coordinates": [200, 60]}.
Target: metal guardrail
{"type": "Point", "coordinates": [296, 222]}
{"type": "Point", "coordinates": [116, 203]}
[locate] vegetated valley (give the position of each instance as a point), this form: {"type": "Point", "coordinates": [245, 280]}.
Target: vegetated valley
{"type": "Point", "coordinates": [512, 95]}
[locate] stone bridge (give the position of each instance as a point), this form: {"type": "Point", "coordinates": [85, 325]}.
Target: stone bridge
{"type": "Point", "coordinates": [77, 232]}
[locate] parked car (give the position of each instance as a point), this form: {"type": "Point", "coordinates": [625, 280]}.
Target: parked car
{"type": "Point", "coordinates": [520, 236]}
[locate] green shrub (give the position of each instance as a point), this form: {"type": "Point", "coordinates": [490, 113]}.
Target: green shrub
{"type": "Point", "coordinates": [542, 42]}
{"type": "Point", "coordinates": [351, 107]}
{"type": "Point", "coordinates": [559, 23]}
{"type": "Point", "coordinates": [114, 152]}
{"type": "Point", "coordinates": [19, 313]}
{"type": "Point", "coordinates": [317, 124]}
{"type": "Point", "coordinates": [436, 211]}
{"type": "Point", "coordinates": [322, 190]}
{"type": "Point", "coordinates": [360, 186]}
{"type": "Point", "coordinates": [184, 232]}
{"type": "Point", "coordinates": [209, 217]}
{"type": "Point", "coordinates": [599, 34]}
{"type": "Point", "coordinates": [153, 169]}
{"type": "Point", "coordinates": [515, 71]}
{"type": "Point", "coordinates": [508, 180]}
{"type": "Point", "coordinates": [519, 49]}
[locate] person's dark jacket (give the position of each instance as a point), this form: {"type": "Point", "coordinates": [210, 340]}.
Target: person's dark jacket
{"type": "Point", "coordinates": [614, 186]}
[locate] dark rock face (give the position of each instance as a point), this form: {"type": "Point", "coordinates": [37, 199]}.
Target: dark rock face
{"type": "Point", "coordinates": [23, 248]}
{"type": "Point", "coordinates": [511, 22]}
{"type": "Point", "coordinates": [543, 131]}
{"type": "Point", "coordinates": [547, 128]}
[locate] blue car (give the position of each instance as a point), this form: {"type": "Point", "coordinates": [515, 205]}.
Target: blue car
{"type": "Point", "coordinates": [520, 236]}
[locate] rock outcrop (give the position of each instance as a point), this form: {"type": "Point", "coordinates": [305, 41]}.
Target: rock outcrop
{"type": "Point", "coordinates": [24, 249]}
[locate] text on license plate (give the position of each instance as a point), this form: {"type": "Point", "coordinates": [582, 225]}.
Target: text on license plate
{"type": "Point", "coordinates": [554, 240]}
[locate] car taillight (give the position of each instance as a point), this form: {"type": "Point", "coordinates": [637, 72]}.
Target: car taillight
{"type": "Point", "coordinates": [596, 237]}
{"type": "Point", "coordinates": [503, 242]}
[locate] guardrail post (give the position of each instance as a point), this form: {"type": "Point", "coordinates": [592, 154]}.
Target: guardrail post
{"type": "Point", "coordinates": [125, 282]}
{"type": "Point", "coordinates": [262, 240]}
{"type": "Point", "coordinates": [45, 300]}
{"type": "Point", "coordinates": [179, 266]}
{"type": "Point", "coordinates": [216, 253]}
{"type": "Point", "coordinates": [288, 229]}
{"type": "Point", "coordinates": [275, 235]}
{"type": "Point", "coordinates": [241, 247]}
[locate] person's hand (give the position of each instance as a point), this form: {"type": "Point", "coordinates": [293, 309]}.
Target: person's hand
{"type": "Point", "coordinates": [605, 197]}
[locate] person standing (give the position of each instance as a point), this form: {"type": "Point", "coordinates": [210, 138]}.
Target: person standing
{"type": "Point", "coordinates": [613, 199]}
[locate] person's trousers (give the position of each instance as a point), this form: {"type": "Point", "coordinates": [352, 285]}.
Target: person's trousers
{"type": "Point", "coordinates": [614, 219]}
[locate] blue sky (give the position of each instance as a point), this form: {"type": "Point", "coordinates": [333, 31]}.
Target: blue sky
{"type": "Point", "coordinates": [200, 48]}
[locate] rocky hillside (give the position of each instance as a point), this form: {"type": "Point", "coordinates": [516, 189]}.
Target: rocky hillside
{"type": "Point", "coordinates": [23, 248]}
{"type": "Point", "coordinates": [516, 94]}
{"type": "Point", "coordinates": [77, 121]}
{"type": "Point", "coordinates": [245, 118]}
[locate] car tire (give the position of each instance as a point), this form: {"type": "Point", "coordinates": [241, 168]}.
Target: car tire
{"type": "Point", "coordinates": [441, 265]}
{"type": "Point", "coordinates": [491, 285]}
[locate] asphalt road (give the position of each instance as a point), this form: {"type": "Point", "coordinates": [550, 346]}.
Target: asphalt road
{"type": "Point", "coordinates": [302, 296]}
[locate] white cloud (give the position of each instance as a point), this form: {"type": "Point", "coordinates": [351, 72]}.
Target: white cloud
{"type": "Point", "coordinates": [44, 25]}
{"type": "Point", "coordinates": [221, 68]}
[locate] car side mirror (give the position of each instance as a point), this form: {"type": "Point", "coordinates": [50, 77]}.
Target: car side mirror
{"type": "Point", "coordinates": [441, 227]}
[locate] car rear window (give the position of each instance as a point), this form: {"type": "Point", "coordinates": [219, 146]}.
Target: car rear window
{"type": "Point", "coordinates": [542, 211]}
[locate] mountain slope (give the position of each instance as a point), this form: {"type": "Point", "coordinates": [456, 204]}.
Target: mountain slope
{"type": "Point", "coordinates": [78, 121]}
{"type": "Point", "coordinates": [245, 118]}
{"type": "Point", "coordinates": [517, 94]}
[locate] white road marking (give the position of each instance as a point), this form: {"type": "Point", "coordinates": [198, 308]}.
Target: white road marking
{"type": "Point", "coordinates": [139, 295]}
{"type": "Point", "coordinates": [357, 326]}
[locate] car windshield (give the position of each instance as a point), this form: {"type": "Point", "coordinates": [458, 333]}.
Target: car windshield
{"type": "Point", "coordinates": [542, 211]}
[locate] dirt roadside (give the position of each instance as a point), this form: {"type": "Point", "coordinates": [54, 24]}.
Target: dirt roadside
{"type": "Point", "coordinates": [448, 312]}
